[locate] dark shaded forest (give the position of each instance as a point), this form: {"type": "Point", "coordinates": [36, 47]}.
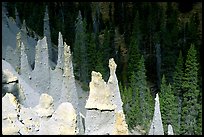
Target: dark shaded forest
{"type": "Point", "coordinates": [156, 46]}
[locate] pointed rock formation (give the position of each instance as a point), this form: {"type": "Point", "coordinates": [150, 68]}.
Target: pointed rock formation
{"type": "Point", "coordinates": [41, 72]}
{"type": "Point", "coordinates": [170, 130]}
{"type": "Point", "coordinates": [60, 61]}
{"type": "Point", "coordinates": [25, 69]}
{"type": "Point", "coordinates": [100, 96]}
{"type": "Point", "coordinates": [68, 92]}
{"type": "Point", "coordinates": [156, 126]}
{"type": "Point", "coordinates": [113, 84]}
{"type": "Point", "coordinates": [24, 39]}
{"type": "Point", "coordinates": [22, 90]}
{"type": "Point", "coordinates": [18, 22]}
{"type": "Point", "coordinates": [56, 74]}
{"type": "Point", "coordinates": [47, 32]}
{"type": "Point", "coordinates": [104, 106]}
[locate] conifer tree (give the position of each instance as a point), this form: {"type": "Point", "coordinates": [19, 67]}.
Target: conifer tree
{"type": "Point", "coordinates": [91, 54]}
{"type": "Point", "coordinates": [135, 103]}
{"type": "Point", "coordinates": [177, 86]}
{"type": "Point", "coordinates": [133, 50]}
{"type": "Point", "coordinates": [190, 106]}
{"type": "Point", "coordinates": [80, 51]}
{"type": "Point", "coordinates": [146, 104]}
{"type": "Point", "coordinates": [168, 106]}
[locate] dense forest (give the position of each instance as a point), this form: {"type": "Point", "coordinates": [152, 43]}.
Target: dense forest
{"type": "Point", "coordinates": [156, 47]}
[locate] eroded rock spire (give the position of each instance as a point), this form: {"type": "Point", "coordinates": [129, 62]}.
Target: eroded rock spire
{"type": "Point", "coordinates": [60, 61]}
{"type": "Point", "coordinates": [47, 32]}
{"type": "Point", "coordinates": [18, 22]}
{"type": "Point", "coordinates": [113, 84]}
{"type": "Point", "coordinates": [156, 125]}
{"type": "Point", "coordinates": [41, 72]}
{"type": "Point", "coordinates": [104, 106]}
{"type": "Point", "coordinates": [25, 68]}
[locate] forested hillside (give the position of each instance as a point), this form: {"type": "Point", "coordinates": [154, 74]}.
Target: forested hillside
{"type": "Point", "coordinates": [156, 46]}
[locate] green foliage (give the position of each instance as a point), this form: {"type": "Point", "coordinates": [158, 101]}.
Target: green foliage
{"type": "Point", "coordinates": [133, 50]}
{"type": "Point", "coordinates": [190, 106]}
{"type": "Point", "coordinates": [177, 86]}
{"type": "Point", "coordinates": [91, 54]}
{"type": "Point", "coordinates": [138, 103]}
{"type": "Point", "coordinates": [80, 51]}
{"type": "Point", "coordinates": [168, 107]}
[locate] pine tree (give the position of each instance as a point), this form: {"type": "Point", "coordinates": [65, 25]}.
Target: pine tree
{"type": "Point", "coordinates": [91, 54]}
{"type": "Point", "coordinates": [177, 87]}
{"type": "Point", "coordinates": [135, 102]}
{"type": "Point", "coordinates": [146, 107]}
{"type": "Point", "coordinates": [133, 50]}
{"type": "Point", "coordinates": [168, 106]}
{"type": "Point", "coordinates": [190, 106]}
{"type": "Point", "coordinates": [105, 50]}
{"type": "Point", "coordinates": [80, 51]}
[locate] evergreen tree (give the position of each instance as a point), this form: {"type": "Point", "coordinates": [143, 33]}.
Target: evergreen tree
{"type": "Point", "coordinates": [135, 102]}
{"type": "Point", "coordinates": [190, 106]}
{"type": "Point", "coordinates": [105, 51]}
{"type": "Point", "coordinates": [168, 106]}
{"type": "Point", "coordinates": [133, 50]}
{"type": "Point", "coordinates": [91, 54]}
{"type": "Point", "coordinates": [146, 106]}
{"type": "Point", "coordinates": [80, 51]}
{"type": "Point", "coordinates": [177, 86]}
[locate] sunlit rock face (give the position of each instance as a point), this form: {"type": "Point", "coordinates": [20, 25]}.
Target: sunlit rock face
{"type": "Point", "coordinates": [10, 108]}
{"type": "Point", "coordinates": [156, 126]}
{"type": "Point", "coordinates": [62, 122]}
{"type": "Point", "coordinates": [100, 96]}
{"type": "Point", "coordinates": [39, 120]}
{"type": "Point", "coordinates": [104, 106]}
{"type": "Point", "coordinates": [120, 126]}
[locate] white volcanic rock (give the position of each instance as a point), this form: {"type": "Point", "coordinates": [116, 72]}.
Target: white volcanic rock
{"type": "Point", "coordinates": [10, 108]}
{"type": "Point", "coordinates": [156, 126]}
{"type": "Point", "coordinates": [100, 96]}
{"type": "Point", "coordinates": [120, 126]}
{"type": "Point", "coordinates": [41, 73]}
{"type": "Point", "coordinates": [25, 94]}
{"type": "Point", "coordinates": [170, 130]}
{"type": "Point", "coordinates": [45, 108]}
{"type": "Point", "coordinates": [62, 122]}
{"type": "Point", "coordinates": [30, 120]}
{"type": "Point", "coordinates": [104, 106]}
{"type": "Point", "coordinates": [113, 85]}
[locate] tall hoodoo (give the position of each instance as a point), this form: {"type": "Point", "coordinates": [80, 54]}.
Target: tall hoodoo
{"type": "Point", "coordinates": [41, 72]}
{"type": "Point", "coordinates": [156, 126]}
{"type": "Point", "coordinates": [25, 69]}
{"type": "Point", "coordinates": [104, 106]}
{"type": "Point", "coordinates": [47, 32]}
{"type": "Point", "coordinates": [60, 61]}
{"type": "Point", "coordinates": [100, 96]}
{"type": "Point", "coordinates": [113, 85]}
